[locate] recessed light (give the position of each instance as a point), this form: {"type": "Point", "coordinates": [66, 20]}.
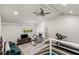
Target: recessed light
{"type": "Point", "coordinates": [15, 13]}
{"type": "Point", "coordinates": [71, 12]}
{"type": "Point", "coordinates": [64, 4]}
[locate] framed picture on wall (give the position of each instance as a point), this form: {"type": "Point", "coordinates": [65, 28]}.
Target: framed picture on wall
{"type": "Point", "coordinates": [27, 30]}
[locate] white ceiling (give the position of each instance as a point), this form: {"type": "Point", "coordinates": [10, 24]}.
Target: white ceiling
{"type": "Point", "coordinates": [66, 8]}
{"type": "Point", "coordinates": [25, 12]}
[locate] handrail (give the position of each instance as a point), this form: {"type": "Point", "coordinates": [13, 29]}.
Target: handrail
{"type": "Point", "coordinates": [68, 49]}
{"type": "Point", "coordinates": [64, 53]}
{"type": "Point", "coordinates": [37, 47]}
{"type": "Point", "coordinates": [74, 45]}
{"type": "Point", "coordinates": [41, 43]}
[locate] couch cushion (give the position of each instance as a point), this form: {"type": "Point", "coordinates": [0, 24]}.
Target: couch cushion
{"type": "Point", "coordinates": [7, 48]}
{"type": "Point", "coordinates": [12, 47]}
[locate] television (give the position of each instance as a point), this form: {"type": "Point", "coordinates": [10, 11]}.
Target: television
{"type": "Point", "coordinates": [24, 36]}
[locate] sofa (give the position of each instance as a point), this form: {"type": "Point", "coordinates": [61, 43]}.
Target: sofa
{"type": "Point", "coordinates": [11, 49]}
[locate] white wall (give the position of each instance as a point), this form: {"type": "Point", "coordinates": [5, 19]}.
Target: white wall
{"type": "Point", "coordinates": [40, 27]}
{"type": "Point", "coordinates": [66, 25]}
{"type": "Point", "coordinates": [11, 32]}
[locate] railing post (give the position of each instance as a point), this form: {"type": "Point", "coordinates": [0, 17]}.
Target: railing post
{"type": "Point", "coordinates": [50, 46]}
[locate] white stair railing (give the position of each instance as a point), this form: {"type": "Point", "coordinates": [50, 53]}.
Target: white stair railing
{"type": "Point", "coordinates": [71, 44]}
{"type": "Point", "coordinates": [38, 48]}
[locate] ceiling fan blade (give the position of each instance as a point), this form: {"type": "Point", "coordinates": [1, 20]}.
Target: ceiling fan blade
{"type": "Point", "coordinates": [41, 10]}
{"type": "Point", "coordinates": [47, 13]}
{"type": "Point", "coordinates": [35, 13]}
{"type": "Point", "coordinates": [42, 14]}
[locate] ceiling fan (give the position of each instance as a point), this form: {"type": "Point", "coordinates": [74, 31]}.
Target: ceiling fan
{"type": "Point", "coordinates": [42, 13]}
